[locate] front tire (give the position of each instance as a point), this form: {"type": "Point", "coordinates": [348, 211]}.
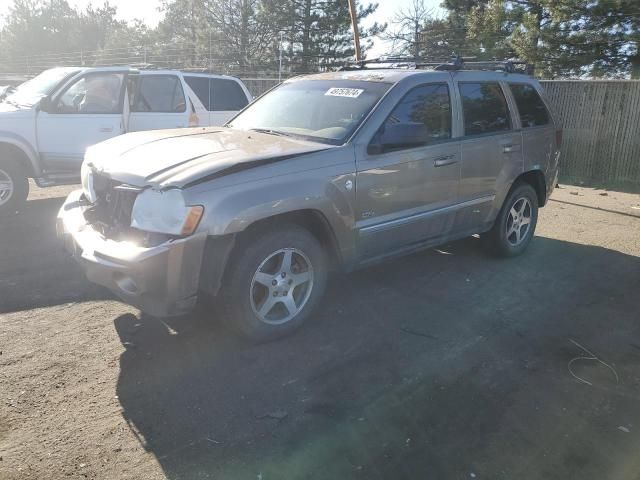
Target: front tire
{"type": "Point", "coordinates": [14, 187]}
{"type": "Point", "coordinates": [516, 223]}
{"type": "Point", "coordinates": [274, 282]}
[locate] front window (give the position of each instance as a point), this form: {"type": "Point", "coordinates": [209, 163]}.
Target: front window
{"type": "Point", "coordinates": [327, 111]}
{"type": "Point", "coordinates": [98, 93]}
{"type": "Point", "coordinates": [38, 87]}
{"type": "Point", "coordinates": [426, 110]}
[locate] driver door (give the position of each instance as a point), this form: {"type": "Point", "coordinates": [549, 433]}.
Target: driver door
{"type": "Point", "coordinates": [407, 188]}
{"type": "Point", "coordinates": [88, 111]}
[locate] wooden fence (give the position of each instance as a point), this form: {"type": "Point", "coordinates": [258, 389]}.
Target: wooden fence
{"type": "Point", "coordinates": [601, 131]}
{"type": "Point", "coordinates": [601, 128]}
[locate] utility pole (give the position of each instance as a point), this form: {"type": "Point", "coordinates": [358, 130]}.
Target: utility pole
{"type": "Point", "coordinates": [280, 59]}
{"type": "Point", "coordinates": [354, 25]}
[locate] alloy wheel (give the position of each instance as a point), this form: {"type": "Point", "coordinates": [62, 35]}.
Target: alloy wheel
{"type": "Point", "coordinates": [519, 221]}
{"type": "Point", "coordinates": [6, 187]}
{"type": "Point", "coordinates": [281, 286]}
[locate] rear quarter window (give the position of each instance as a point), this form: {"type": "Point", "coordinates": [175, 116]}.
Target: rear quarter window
{"type": "Point", "coordinates": [484, 108]}
{"type": "Point", "coordinates": [532, 109]}
{"type": "Point", "coordinates": [227, 95]}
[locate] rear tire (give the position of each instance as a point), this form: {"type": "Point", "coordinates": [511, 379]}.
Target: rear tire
{"type": "Point", "coordinates": [14, 187]}
{"type": "Point", "coordinates": [274, 282]}
{"type": "Point", "coordinates": [516, 223]}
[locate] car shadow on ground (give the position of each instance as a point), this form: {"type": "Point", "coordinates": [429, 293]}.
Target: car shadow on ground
{"type": "Point", "coordinates": [36, 272]}
{"type": "Point", "coordinates": [441, 364]}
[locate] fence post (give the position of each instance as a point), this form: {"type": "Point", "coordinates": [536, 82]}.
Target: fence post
{"type": "Point", "coordinates": [280, 60]}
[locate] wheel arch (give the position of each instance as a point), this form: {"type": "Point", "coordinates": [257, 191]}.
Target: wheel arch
{"type": "Point", "coordinates": [20, 150]}
{"type": "Point", "coordinates": [536, 179]}
{"type": "Point", "coordinates": [310, 219]}
{"type": "Point", "coordinates": [219, 250]}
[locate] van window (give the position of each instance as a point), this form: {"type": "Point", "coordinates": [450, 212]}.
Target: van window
{"type": "Point", "coordinates": [427, 105]}
{"type": "Point", "coordinates": [227, 95]}
{"type": "Point", "coordinates": [159, 94]}
{"type": "Point", "coordinates": [532, 110]}
{"type": "Point", "coordinates": [484, 108]}
{"type": "Point", "coordinates": [200, 86]}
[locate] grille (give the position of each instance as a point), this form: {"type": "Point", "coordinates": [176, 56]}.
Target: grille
{"type": "Point", "coordinates": [111, 213]}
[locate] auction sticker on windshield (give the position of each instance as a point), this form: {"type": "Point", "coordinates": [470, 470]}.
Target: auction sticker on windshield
{"type": "Point", "coordinates": [344, 92]}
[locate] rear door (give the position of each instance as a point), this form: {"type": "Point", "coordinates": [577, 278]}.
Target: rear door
{"type": "Point", "coordinates": [157, 101]}
{"type": "Point", "coordinates": [407, 194]}
{"type": "Point", "coordinates": [87, 111]}
{"type": "Point", "coordinates": [538, 130]}
{"type": "Point", "coordinates": [491, 150]}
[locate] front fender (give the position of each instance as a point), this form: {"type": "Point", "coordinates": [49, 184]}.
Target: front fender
{"type": "Point", "coordinates": [232, 210]}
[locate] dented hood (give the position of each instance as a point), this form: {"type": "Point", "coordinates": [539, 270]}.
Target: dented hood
{"type": "Point", "coordinates": [168, 158]}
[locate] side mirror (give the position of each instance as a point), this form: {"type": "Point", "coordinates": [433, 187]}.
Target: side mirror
{"type": "Point", "coordinates": [46, 105]}
{"type": "Point", "coordinates": [398, 135]}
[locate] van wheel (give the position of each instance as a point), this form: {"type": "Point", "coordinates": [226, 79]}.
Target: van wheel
{"type": "Point", "coordinates": [274, 283]}
{"type": "Point", "coordinates": [515, 224]}
{"type": "Point", "coordinates": [14, 187]}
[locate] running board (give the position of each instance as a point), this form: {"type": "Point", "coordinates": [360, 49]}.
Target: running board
{"type": "Point", "coordinates": [57, 179]}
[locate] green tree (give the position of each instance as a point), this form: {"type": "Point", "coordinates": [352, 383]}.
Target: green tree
{"type": "Point", "coordinates": [319, 33]}
{"type": "Point", "coordinates": [561, 37]}
{"type": "Point", "coordinates": [409, 27]}
{"type": "Point", "coordinates": [40, 34]}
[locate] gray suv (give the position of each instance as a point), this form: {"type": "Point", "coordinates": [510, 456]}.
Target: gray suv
{"type": "Point", "coordinates": [332, 171]}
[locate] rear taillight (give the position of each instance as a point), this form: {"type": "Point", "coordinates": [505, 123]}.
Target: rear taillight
{"type": "Point", "coordinates": [559, 137]}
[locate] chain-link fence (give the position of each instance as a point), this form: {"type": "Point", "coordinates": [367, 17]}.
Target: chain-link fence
{"type": "Point", "coordinates": [178, 56]}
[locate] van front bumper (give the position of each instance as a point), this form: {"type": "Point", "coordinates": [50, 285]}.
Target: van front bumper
{"type": "Point", "coordinates": [161, 280]}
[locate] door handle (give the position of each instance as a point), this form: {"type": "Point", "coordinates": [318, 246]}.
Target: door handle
{"type": "Point", "coordinates": [106, 129]}
{"type": "Point", "coordinates": [444, 160]}
{"type": "Point", "coordinates": [511, 148]}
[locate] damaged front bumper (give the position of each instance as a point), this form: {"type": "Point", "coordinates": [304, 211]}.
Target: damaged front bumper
{"type": "Point", "coordinates": [161, 280]}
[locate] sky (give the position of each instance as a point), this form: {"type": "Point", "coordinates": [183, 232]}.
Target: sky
{"type": "Point", "coordinates": [147, 10]}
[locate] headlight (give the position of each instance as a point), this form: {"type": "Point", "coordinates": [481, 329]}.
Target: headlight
{"type": "Point", "coordinates": [86, 178]}
{"type": "Point", "coordinates": [165, 212]}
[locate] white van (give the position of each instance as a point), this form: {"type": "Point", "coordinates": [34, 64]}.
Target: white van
{"type": "Point", "coordinates": [47, 123]}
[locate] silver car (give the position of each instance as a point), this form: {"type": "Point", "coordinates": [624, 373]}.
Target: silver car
{"type": "Point", "coordinates": [326, 172]}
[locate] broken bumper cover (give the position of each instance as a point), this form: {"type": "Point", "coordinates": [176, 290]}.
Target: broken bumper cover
{"type": "Point", "coordinates": [161, 280]}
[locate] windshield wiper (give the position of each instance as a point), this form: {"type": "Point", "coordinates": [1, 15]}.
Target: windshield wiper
{"type": "Point", "coordinates": [269, 131]}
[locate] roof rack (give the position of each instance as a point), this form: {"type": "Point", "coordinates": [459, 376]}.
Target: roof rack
{"type": "Point", "coordinates": [454, 63]}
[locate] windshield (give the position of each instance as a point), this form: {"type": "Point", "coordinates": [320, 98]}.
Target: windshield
{"type": "Point", "coordinates": [33, 90]}
{"type": "Point", "coordinates": [327, 111]}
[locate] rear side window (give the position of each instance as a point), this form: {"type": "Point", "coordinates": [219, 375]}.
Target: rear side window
{"type": "Point", "coordinates": [227, 95]}
{"type": "Point", "coordinates": [159, 94]}
{"type": "Point", "coordinates": [484, 108]}
{"type": "Point", "coordinates": [428, 106]}
{"type": "Point", "coordinates": [200, 86]}
{"type": "Point", "coordinates": [532, 110]}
